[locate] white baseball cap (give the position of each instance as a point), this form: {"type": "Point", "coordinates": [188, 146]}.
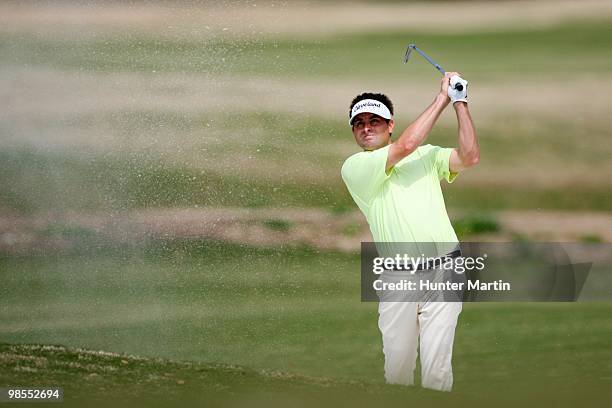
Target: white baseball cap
{"type": "Point", "coordinates": [370, 106]}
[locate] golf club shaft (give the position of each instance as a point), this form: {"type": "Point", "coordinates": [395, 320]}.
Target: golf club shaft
{"type": "Point", "coordinates": [432, 62]}
{"type": "Point", "coordinates": [458, 87]}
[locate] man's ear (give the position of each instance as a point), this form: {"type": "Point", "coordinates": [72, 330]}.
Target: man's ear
{"type": "Point", "coordinates": [391, 126]}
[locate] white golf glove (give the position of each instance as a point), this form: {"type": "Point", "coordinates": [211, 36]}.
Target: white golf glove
{"type": "Point", "coordinates": [454, 94]}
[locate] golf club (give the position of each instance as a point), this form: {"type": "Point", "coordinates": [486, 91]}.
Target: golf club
{"type": "Point", "coordinates": [437, 66]}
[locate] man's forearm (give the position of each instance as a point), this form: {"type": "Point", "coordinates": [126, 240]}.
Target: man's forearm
{"type": "Point", "coordinates": [417, 132]}
{"type": "Point", "coordinates": [469, 152]}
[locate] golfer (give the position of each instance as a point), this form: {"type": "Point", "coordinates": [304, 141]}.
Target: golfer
{"type": "Point", "coordinates": [396, 184]}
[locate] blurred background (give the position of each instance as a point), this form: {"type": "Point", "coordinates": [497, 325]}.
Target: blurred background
{"type": "Point", "coordinates": [170, 175]}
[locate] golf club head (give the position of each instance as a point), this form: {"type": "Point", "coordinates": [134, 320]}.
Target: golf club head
{"type": "Point", "coordinates": [408, 51]}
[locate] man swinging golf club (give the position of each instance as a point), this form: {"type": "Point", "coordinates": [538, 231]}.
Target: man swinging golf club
{"type": "Point", "coordinates": [396, 184]}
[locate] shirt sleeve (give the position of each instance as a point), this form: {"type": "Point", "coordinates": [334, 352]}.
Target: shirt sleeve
{"type": "Point", "coordinates": [442, 163]}
{"type": "Point", "coordinates": [364, 174]}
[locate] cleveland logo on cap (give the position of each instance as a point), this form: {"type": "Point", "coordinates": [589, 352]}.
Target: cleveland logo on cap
{"type": "Point", "coordinates": [371, 106]}
{"type": "Point", "coordinates": [364, 104]}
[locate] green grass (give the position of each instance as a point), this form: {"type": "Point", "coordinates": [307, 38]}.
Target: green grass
{"type": "Point", "coordinates": [293, 310]}
{"type": "Point", "coordinates": [88, 376]}
{"type": "Point", "coordinates": [189, 293]}
{"type": "Point", "coordinates": [475, 224]}
{"type": "Point", "coordinates": [98, 378]}
{"type": "Point", "coordinates": [36, 181]}
{"type": "Point", "coordinates": [278, 224]}
{"type": "Point", "coordinates": [534, 53]}
{"type": "Point", "coordinates": [501, 197]}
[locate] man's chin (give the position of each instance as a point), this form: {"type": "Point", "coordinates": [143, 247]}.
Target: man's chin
{"type": "Point", "coordinates": [369, 145]}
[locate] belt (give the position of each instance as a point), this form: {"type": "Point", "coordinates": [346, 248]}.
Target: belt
{"type": "Point", "coordinates": [430, 264]}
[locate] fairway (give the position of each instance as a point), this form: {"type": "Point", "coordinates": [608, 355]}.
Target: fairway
{"type": "Point", "coordinates": [296, 311]}
{"type": "Point", "coordinates": [170, 194]}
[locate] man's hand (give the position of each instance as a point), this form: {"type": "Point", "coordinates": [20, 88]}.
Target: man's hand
{"type": "Point", "coordinates": [456, 95]}
{"type": "Point", "coordinates": [444, 84]}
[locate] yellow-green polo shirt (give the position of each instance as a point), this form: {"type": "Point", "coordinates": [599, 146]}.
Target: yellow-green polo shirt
{"type": "Point", "coordinates": [406, 204]}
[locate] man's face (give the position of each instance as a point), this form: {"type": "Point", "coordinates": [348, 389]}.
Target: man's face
{"type": "Point", "coordinates": [371, 131]}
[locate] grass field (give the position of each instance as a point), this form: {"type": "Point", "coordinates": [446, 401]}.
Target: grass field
{"type": "Point", "coordinates": [98, 378]}
{"type": "Point", "coordinates": [151, 120]}
{"type": "Point", "coordinates": [109, 109]}
{"type": "Point", "coordinates": [293, 311]}
{"type": "Point", "coordinates": [552, 54]}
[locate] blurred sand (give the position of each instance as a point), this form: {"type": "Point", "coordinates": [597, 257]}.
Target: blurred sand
{"type": "Point", "coordinates": [315, 228]}
{"type": "Point", "coordinates": [248, 18]}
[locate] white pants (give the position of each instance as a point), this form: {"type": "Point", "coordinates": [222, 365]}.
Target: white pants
{"type": "Point", "coordinates": [401, 325]}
